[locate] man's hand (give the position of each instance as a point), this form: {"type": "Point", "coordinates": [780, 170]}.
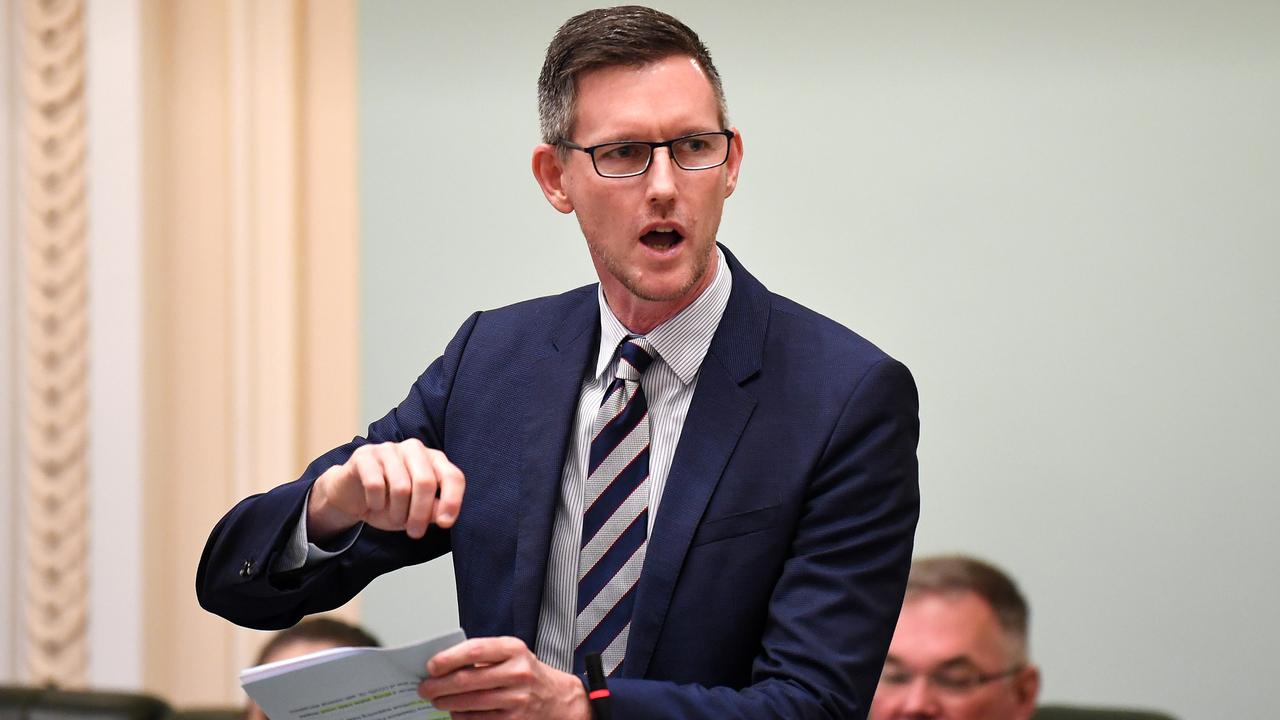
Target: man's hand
{"type": "Point", "coordinates": [391, 486]}
{"type": "Point", "coordinates": [500, 678]}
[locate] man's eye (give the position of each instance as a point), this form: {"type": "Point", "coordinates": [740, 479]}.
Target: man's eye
{"type": "Point", "coordinates": [955, 680]}
{"type": "Point", "coordinates": [694, 145]}
{"type": "Point", "coordinates": [896, 677]}
{"type": "Point", "coordinates": [620, 152]}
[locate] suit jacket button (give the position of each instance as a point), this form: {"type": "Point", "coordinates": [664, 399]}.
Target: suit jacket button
{"type": "Point", "coordinates": [247, 569]}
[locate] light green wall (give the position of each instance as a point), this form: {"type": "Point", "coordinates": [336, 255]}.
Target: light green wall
{"type": "Point", "coordinates": [1062, 216]}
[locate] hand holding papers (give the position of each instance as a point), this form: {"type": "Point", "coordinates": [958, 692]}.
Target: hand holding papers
{"type": "Point", "coordinates": [365, 683]}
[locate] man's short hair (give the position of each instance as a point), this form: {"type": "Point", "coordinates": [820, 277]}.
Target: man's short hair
{"type": "Point", "coordinates": [327, 630]}
{"type": "Point", "coordinates": [949, 574]}
{"type": "Point", "coordinates": [630, 35]}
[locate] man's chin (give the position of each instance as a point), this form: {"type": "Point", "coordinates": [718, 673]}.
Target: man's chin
{"type": "Point", "coordinates": [665, 291]}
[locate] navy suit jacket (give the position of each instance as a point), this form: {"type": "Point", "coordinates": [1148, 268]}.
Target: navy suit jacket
{"type": "Point", "coordinates": [778, 558]}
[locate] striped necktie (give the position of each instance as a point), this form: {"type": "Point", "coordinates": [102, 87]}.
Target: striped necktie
{"type": "Point", "coordinates": [615, 521]}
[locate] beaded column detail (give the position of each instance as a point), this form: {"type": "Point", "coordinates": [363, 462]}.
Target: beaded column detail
{"type": "Point", "coordinates": [55, 338]}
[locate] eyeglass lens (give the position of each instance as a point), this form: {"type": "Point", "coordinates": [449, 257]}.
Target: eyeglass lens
{"type": "Point", "coordinates": [958, 680]}
{"type": "Point", "coordinates": [696, 152]}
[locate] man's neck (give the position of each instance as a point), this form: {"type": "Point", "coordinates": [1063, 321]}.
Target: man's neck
{"type": "Point", "coordinates": [639, 316]}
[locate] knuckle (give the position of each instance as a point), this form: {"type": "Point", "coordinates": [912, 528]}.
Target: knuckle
{"type": "Point", "coordinates": [368, 460]}
{"type": "Point", "coordinates": [415, 469]}
{"type": "Point", "coordinates": [372, 481]}
{"type": "Point", "coordinates": [361, 455]}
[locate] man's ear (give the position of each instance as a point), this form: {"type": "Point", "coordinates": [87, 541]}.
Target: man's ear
{"type": "Point", "coordinates": [734, 162]}
{"type": "Point", "coordinates": [1027, 686]}
{"type": "Point", "coordinates": [548, 170]}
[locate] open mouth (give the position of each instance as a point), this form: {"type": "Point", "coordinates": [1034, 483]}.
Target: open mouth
{"type": "Point", "coordinates": [661, 239]}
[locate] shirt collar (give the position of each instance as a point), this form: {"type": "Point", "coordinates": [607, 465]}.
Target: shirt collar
{"type": "Point", "coordinates": [681, 342]}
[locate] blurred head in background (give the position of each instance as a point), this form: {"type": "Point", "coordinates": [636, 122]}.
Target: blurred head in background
{"type": "Point", "coordinates": [304, 638]}
{"type": "Point", "coordinates": [960, 648]}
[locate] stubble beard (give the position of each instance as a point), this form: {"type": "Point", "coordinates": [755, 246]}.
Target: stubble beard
{"type": "Point", "coordinates": [619, 271]}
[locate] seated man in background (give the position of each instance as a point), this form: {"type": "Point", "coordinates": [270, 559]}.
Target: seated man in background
{"type": "Point", "coordinates": [960, 648]}
{"type": "Point", "coordinates": [306, 637]}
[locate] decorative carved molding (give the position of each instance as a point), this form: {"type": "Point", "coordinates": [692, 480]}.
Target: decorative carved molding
{"type": "Point", "coordinates": [55, 336]}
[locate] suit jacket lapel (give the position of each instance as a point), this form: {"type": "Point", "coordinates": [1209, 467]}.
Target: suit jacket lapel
{"type": "Point", "coordinates": [717, 416]}
{"type": "Point", "coordinates": [555, 380]}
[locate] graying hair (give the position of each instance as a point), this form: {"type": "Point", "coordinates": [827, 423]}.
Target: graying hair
{"type": "Point", "coordinates": [947, 574]}
{"type": "Point", "coordinates": [630, 35]}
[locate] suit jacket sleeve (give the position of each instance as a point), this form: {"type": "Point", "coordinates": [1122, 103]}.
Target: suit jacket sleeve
{"type": "Point", "coordinates": [833, 610]}
{"type": "Point", "coordinates": [233, 579]}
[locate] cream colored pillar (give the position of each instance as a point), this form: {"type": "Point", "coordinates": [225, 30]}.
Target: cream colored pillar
{"type": "Point", "coordinates": [251, 289]}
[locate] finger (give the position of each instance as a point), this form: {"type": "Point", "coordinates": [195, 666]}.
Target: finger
{"type": "Point", "coordinates": [398, 485]}
{"type": "Point", "coordinates": [340, 486]}
{"type": "Point", "coordinates": [463, 680]}
{"type": "Point", "coordinates": [482, 715]}
{"type": "Point", "coordinates": [492, 701]}
{"type": "Point", "coordinates": [453, 485]}
{"type": "Point", "coordinates": [476, 651]}
{"type": "Point", "coordinates": [372, 482]}
{"type": "Point", "coordinates": [423, 496]}
{"type": "Point", "coordinates": [336, 502]}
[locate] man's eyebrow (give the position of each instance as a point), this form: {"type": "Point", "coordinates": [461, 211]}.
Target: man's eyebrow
{"type": "Point", "coordinates": [959, 661]}
{"type": "Point", "coordinates": [636, 137]}
{"type": "Point", "coordinates": [610, 139]}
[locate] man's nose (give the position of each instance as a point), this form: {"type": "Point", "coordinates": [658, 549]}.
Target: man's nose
{"type": "Point", "coordinates": [919, 700]}
{"type": "Point", "coordinates": [661, 176]}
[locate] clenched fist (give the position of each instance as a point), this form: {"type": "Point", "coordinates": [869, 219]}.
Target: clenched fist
{"type": "Point", "coordinates": [391, 486]}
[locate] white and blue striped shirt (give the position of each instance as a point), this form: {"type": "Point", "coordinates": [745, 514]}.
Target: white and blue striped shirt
{"type": "Point", "coordinates": [681, 344]}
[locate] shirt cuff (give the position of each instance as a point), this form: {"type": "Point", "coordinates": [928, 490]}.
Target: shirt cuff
{"type": "Point", "coordinates": [300, 553]}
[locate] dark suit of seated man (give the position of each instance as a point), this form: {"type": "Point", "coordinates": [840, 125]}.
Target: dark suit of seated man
{"type": "Point", "coordinates": [710, 486]}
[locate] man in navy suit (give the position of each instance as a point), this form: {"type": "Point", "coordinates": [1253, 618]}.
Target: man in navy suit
{"type": "Point", "coordinates": [776, 501]}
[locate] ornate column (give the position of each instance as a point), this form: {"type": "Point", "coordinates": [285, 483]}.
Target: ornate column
{"type": "Point", "coordinates": [233, 248]}
{"type": "Point", "coordinates": [54, 333]}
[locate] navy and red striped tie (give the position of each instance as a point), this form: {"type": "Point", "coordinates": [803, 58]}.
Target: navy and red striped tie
{"type": "Point", "coordinates": [615, 519]}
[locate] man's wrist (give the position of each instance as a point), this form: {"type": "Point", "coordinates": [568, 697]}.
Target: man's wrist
{"type": "Point", "coordinates": [324, 521]}
{"type": "Point", "coordinates": [580, 703]}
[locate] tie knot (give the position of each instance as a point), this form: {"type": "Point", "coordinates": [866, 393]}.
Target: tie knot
{"type": "Point", "coordinates": [634, 357]}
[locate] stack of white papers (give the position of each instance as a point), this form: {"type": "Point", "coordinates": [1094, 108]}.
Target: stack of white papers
{"type": "Point", "coordinates": [364, 683]}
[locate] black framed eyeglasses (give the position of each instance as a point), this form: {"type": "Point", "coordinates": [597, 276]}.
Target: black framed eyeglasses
{"type": "Point", "coordinates": [699, 151]}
